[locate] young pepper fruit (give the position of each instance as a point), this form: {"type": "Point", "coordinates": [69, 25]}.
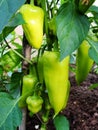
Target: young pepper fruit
{"type": "Point", "coordinates": [56, 75]}
{"type": "Point", "coordinates": [34, 103]}
{"type": "Point", "coordinates": [29, 82]}
{"type": "Point", "coordinates": [33, 26]}
{"type": "Point", "coordinates": [83, 62]}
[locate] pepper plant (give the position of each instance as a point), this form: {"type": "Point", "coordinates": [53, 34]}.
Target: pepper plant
{"type": "Point", "coordinates": [34, 74]}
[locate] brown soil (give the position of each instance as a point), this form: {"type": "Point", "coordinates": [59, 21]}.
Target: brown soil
{"type": "Point", "coordinates": [82, 108]}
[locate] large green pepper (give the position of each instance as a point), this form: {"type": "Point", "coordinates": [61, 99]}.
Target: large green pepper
{"type": "Point", "coordinates": [29, 82]}
{"type": "Point", "coordinates": [34, 103]}
{"type": "Point", "coordinates": [56, 79]}
{"type": "Point", "coordinates": [33, 26]}
{"type": "Point", "coordinates": [83, 62]}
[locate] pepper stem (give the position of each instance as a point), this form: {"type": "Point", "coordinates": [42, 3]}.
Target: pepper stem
{"type": "Point", "coordinates": [31, 2]}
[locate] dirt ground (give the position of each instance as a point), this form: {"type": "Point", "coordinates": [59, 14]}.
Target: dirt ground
{"type": "Point", "coordinates": [81, 110]}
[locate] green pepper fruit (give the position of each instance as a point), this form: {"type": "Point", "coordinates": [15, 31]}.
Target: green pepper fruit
{"type": "Point", "coordinates": [84, 5]}
{"type": "Point", "coordinates": [56, 75]}
{"type": "Point", "coordinates": [83, 62]}
{"type": "Point", "coordinates": [33, 26]}
{"type": "Point", "coordinates": [29, 82]}
{"type": "Point", "coordinates": [34, 103]}
{"type": "Point", "coordinates": [10, 60]}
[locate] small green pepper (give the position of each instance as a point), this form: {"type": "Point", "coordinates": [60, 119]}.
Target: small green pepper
{"type": "Point", "coordinates": [29, 82]}
{"type": "Point", "coordinates": [34, 103]}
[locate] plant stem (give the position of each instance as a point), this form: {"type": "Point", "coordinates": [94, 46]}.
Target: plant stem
{"type": "Point", "coordinates": [45, 12]}
{"type": "Point", "coordinates": [25, 59]}
{"type": "Point", "coordinates": [43, 127]}
{"type": "Point", "coordinates": [25, 64]}
{"type": "Point", "coordinates": [23, 126]}
{"type": "Point", "coordinates": [44, 2]}
{"type": "Point", "coordinates": [21, 56]}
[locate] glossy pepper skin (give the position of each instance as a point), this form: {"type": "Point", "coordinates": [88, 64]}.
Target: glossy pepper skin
{"type": "Point", "coordinates": [83, 62]}
{"type": "Point", "coordinates": [34, 103]}
{"type": "Point", "coordinates": [56, 79]}
{"type": "Point", "coordinates": [29, 82]}
{"type": "Point", "coordinates": [33, 26]}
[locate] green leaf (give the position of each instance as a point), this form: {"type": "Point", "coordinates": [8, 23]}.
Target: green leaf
{"type": "Point", "coordinates": [93, 86]}
{"type": "Point", "coordinates": [7, 9]}
{"type": "Point", "coordinates": [11, 59]}
{"type": "Point", "coordinates": [72, 28]}
{"type": "Point", "coordinates": [15, 85]}
{"type": "Point", "coordinates": [93, 8]}
{"type": "Point", "coordinates": [10, 114]}
{"type": "Point", "coordinates": [93, 51]}
{"type": "Point", "coordinates": [12, 24]}
{"type": "Point", "coordinates": [61, 122]}
{"type": "Point", "coordinates": [17, 45]}
{"type": "Point", "coordinates": [17, 19]}
{"type": "Point", "coordinates": [6, 32]}
{"type": "Point", "coordinates": [1, 70]}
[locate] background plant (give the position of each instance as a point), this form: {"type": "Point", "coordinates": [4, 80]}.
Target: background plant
{"type": "Point", "coordinates": [66, 25]}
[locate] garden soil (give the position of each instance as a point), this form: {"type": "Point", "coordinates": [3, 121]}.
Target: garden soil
{"type": "Point", "coordinates": [81, 110]}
